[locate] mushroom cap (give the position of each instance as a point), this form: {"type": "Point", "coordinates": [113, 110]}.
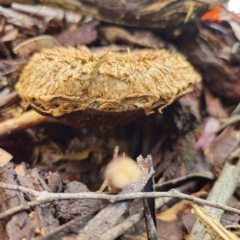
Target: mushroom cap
{"type": "Point", "coordinates": [121, 173]}
{"type": "Point", "coordinates": [83, 88]}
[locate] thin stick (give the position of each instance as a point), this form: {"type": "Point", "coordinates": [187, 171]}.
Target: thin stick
{"type": "Point", "coordinates": [9, 98]}
{"type": "Point", "coordinates": [222, 190]}
{"type": "Point", "coordinates": [26, 120]}
{"type": "Point", "coordinates": [231, 120]}
{"type": "Point", "coordinates": [121, 228]}
{"type": "Point", "coordinates": [115, 152]}
{"type": "Point", "coordinates": [44, 197]}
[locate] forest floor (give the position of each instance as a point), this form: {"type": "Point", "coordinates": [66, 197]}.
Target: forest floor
{"type": "Point", "coordinates": [188, 155]}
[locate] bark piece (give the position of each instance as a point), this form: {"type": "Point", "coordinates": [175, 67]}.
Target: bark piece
{"type": "Point", "coordinates": [69, 209]}
{"type": "Point", "coordinates": [10, 199]}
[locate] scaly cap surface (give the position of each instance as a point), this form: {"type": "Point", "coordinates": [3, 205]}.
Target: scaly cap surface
{"type": "Point", "coordinates": [64, 80]}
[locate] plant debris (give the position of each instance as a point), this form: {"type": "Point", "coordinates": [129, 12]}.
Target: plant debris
{"type": "Point", "coordinates": [111, 90]}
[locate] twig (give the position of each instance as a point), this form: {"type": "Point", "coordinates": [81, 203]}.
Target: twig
{"type": "Point", "coordinates": [44, 197]}
{"type": "Point", "coordinates": [121, 228]}
{"type": "Point", "coordinates": [149, 207]}
{"type": "Point", "coordinates": [20, 188]}
{"type": "Point", "coordinates": [115, 152]}
{"type": "Point", "coordinates": [231, 120]}
{"type": "Point", "coordinates": [9, 98]}
{"type": "Point", "coordinates": [26, 206]}
{"type": "Point", "coordinates": [26, 120]}
{"type": "Point", "coordinates": [214, 228]}
{"type": "Point", "coordinates": [150, 224]}
{"type": "Point", "coordinates": [222, 190]}
{"type": "Point", "coordinates": [68, 228]}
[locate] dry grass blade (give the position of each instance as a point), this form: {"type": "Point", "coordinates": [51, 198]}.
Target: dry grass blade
{"type": "Point", "coordinates": [222, 190]}
{"type": "Point", "coordinates": [214, 228]}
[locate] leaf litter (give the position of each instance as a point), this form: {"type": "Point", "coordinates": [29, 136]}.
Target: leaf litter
{"type": "Point", "coordinates": [68, 158]}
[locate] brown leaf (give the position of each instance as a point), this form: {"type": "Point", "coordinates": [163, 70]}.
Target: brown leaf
{"type": "Point", "coordinates": [207, 136]}
{"type": "Point", "coordinates": [10, 35]}
{"type": "Point", "coordinates": [214, 106]}
{"type": "Point", "coordinates": [140, 38]}
{"type": "Point", "coordinates": [20, 170]}
{"type": "Point", "coordinates": [35, 44]}
{"type": "Point", "coordinates": [171, 214]}
{"type": "Point", "coordinates": [81, 36]}
{"type": "Point", "coordinates": [5, 157]}
{"type": "Point", "coordinates": [223, 145]}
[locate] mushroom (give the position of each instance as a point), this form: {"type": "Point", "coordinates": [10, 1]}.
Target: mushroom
{"type": "Point", "coordinates": [81, 88]}
{"type": "Point", "coordinates": [121, 173]}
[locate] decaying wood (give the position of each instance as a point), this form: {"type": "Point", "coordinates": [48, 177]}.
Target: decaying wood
{"type": "Point", "coordinates": [23, 224]}
{"type": "Point", "coordinates": [69, 209]}
{"type": "Point", "coordinates": [41, 220]}
{"type": "Point", "coordinates": [10, 199]}
{"type": "Point", "coordinates": [111, 210]}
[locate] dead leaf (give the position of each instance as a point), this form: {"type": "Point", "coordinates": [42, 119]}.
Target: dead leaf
{"type": "Point", "coordinates": [140, 38]}
{"type": "Point", "coordinates": [10, 35]}
{"type": "Point", "coordinates": [208, 134]}
{"type": "Point", "coordinates": [5, 157]}
{"type": "Point", "coordinates": [20, 170]}
{"type": "Point", "coordinates": [47, 12]}
{"type": "Point", "coordinates": [81, 36]}
{"type": "Point", "coordinates": [223, 146]}
{"type": "Point", "coordinates": [171, 214]}
{"type": "Point", "coordinates": [18, 19]}
{"type": "Point", "coordinates": [213, 51]}
{"type": "Point", "coordinates": [214, 106]}
{"type": "Point", "coordinates": [35, 44]}
{"type": "Point", "coordinates": [234, 24]}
